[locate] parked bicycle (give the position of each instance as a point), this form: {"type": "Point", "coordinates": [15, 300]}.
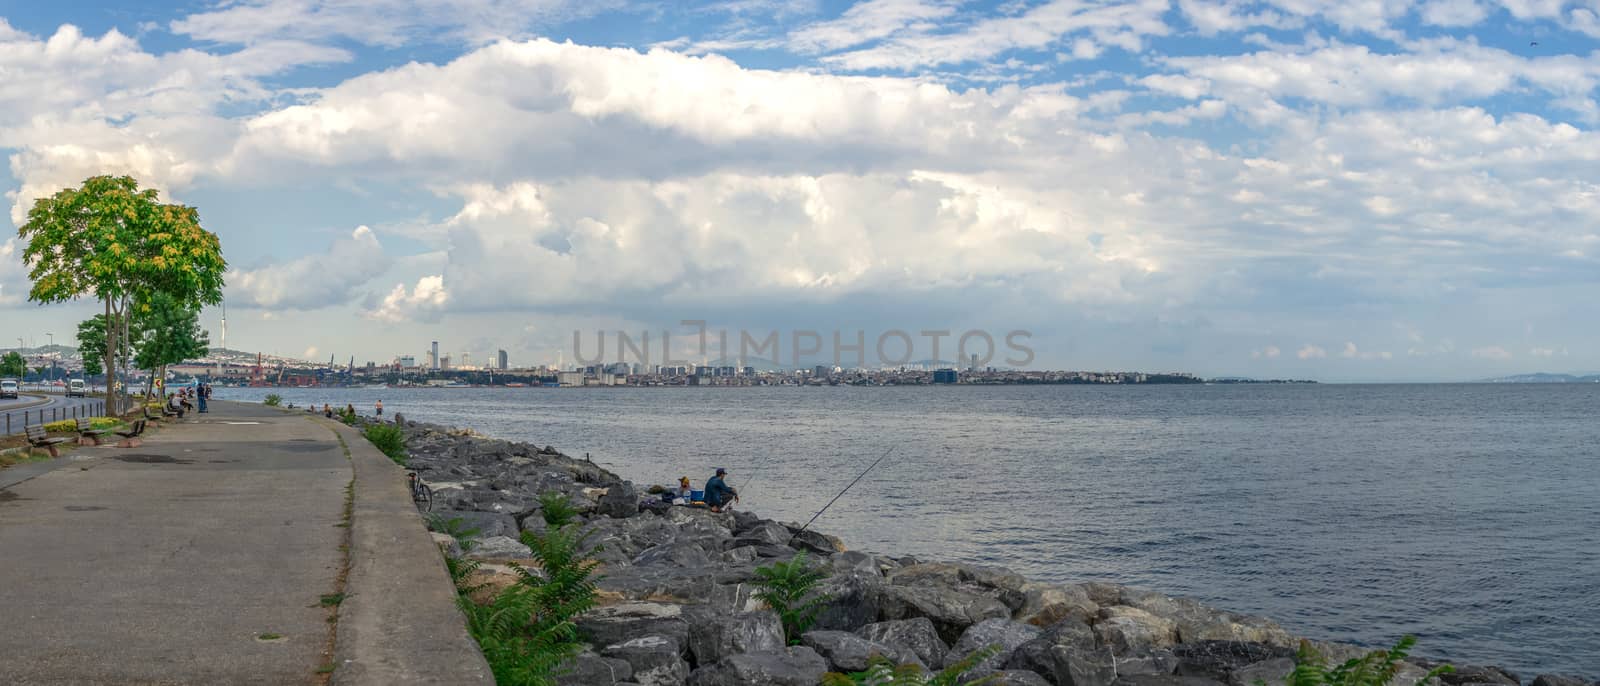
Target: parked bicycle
{"type": "Point", "coordinates": [420, 493]}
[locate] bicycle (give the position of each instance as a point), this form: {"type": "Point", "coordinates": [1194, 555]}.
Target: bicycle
{"type": "Point", "coordinates": [420, 493]}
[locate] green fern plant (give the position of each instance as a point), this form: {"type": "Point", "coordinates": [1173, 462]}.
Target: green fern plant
{"type": "Point", "coordinates": [389, 440]}
{"type": "Point", "coordinates": [272, 400]}
{"type": "Point", "coordinates": [1376, 668]}
{"type": "Point", "coordinates": [788, 589]}
{"type": "Point", "coordinates": [883, 672]}
{"type": "Point", "coordinates": [556, 509]}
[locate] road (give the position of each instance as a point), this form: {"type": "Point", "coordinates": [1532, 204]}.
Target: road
{"type": "Point", "coordinates": [14, 414]}
{"type": "Point", "coordinates": [197, 558]}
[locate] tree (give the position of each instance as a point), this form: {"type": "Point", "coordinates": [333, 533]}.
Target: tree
{"type": "Point", "coordinates": [92, 344]}
{"type": "Point", "coordinates": [112, 240]}
{"type": "Point", "coordinates": [13, 365]}
{"type": "Point", "coordinates": [166, 331]}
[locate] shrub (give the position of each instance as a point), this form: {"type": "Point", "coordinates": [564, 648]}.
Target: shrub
{"type": "Point", "coordinates": [1376, 668]}
{"type": "Point", "coordinates": [787, 587]}
{"type": "Point", "coordinates": [557, 509]}
{"type": "Point", "coordinates": [526, 632]}
{"type": "Point", "coordinates": [389, 439]}
{"type": "Point", "coordinates": [880, 672]}
{"type": "Point", "coordinates": [94, 423]}
{"type": "Point", "coordinates": [273, 400]}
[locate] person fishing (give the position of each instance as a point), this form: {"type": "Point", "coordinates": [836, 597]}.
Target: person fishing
{"type": "Point", "coordinates": [718, 491]}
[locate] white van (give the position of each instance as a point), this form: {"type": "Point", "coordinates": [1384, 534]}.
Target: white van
{"type": "Point", "coordinates": [8, 388]}
{"type": "Point", "coordinates": [76, 388]}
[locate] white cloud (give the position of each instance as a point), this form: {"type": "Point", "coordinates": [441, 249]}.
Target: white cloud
{"type": "Point", "coordinates": [1493, 352]}
{"type": "Point", "coordinates": [388, 23]}
{"type": "Point", "coordinates": [869, 21]}
{"type": "Point", "coordinates": [424, 302]}
{"type": "Point", "coordinates": [1548, 352]}
{"type": "Point", "coordinates": [1352, 352]}
{"type": "Point", "coordinates": [1453, 12]}
{"type": "Point", "coordinates": [313, 281]}
{"type": "Point", "coordinates": [1311, 352]}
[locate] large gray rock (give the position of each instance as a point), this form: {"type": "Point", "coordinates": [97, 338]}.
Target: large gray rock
{"type": "Point", "coordinates": [851, 600]}
{"type": "Point", "coordinates": [614, 624]}
{"type": "Point", "coordinates": [763, 533]}
{"type": "Point", "coordinates": [793, 666]}
{"type": "Point", "coordinates": [714, 636]}
{"type": "Point", "coordinates": [951, 611]}
{"type": "Point", "coordinates": [856, 562]}
{"type": "Point", "coordinates": [1481, 675]}
{"type": "Point", "coordinates": [588, 669]}
{"type": "Point", "coordinates": [474, 524]}
{"type": "Point", "coordinates": [1015, 678]}
{"type": "Point", "coordinates": [677, 554]}
{"type": "Point", "coordinates": [1004, 634]}
{"type": "Point", "coordinates": [811, 541]}
{"type": "Point", "coordinates": [916, 635]}
{"type": "Point", "coordinates": [1132, 631]}
{"type": "Point", "coordinates": [1073, 665]}
{"type": "Point", "coordinates": [654, 660]}
{"type": "Point", "coordinates": [847, 652]}
{"type": "Point", "coordinates": [1558, 680]}
{"type": "Point", "coordinates": [1197, 622]}
{"type": "Point", "coordinates": [1274, 672]}
{"type": "Point", "coordinates": [1046, 604]}
{"type": "Point", "coordinates": [1037, 655]}
{"type": "Point", "coordinates": [1217, 659]}
{"type": "Point", "coordinates": [1164, 680]}
{"type": "Point", "coordinates": [620, 501]}
{"type": "Point", "coordinates": [498, 548]}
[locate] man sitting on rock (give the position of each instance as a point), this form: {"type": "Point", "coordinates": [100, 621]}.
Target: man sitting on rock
{"type": "Point", "coordinates": [718, 492]}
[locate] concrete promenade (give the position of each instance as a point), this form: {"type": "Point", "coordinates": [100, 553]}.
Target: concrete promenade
{"type": "Point", "coordinates": [201, 557]}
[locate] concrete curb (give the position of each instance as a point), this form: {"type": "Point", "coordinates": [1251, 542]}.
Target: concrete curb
{"type": "Point", "coordinates": [399, 623]}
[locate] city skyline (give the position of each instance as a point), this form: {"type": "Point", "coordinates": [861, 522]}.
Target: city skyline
{"type": "Point", "coordinates": [1401, 191]}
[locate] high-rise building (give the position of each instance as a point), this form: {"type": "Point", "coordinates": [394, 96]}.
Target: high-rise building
{"type": "Point", "coordinates": [501, 361]}
{"type": "Point", "coordinates": [433, 357]}
{"type": "Point", "coordinates": [974, 364]}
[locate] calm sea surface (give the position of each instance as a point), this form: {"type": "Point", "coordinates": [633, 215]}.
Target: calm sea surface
{"type": "Point", "coordinates": [1466, 514]}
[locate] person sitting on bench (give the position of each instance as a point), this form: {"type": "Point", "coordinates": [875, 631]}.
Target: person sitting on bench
{"type": "Point", "coordinates": [175, 405]}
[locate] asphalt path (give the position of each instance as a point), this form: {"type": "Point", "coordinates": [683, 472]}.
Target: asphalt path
{"type": "Point", "coordinates": [15, 414]}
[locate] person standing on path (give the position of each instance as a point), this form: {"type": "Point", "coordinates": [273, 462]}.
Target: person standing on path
{"type": "Point", "coordinates": [202, 393]}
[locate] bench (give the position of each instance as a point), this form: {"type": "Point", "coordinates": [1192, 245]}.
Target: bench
{"type": "Point", "coordinates": [167, 411]}
{"type": "Point", "coordinates": [130, 438]}
{"type": "Point", "coordinates": [37, 438]}
{"type": "Point", "coordinates": [87, 432]}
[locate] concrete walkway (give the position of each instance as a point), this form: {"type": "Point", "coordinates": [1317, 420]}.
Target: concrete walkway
{"type": "Point", "coordinates": [198, 558]}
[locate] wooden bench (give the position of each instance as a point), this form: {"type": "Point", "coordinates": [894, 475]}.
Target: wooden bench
{"type": "Point", "coordinates": [37, 438]}
{"type": "Point", "coordinates": [87, 432]}
{"type": "Point", "coordinates": [130, 438]}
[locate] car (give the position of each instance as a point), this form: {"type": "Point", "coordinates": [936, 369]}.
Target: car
{"type": "Point", "coordinates": [8, 388]}
{"type": "Point", "coordinates": [76, 388]}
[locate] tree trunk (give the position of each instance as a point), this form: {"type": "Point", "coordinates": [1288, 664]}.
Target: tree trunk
{"type": "Point", "coordinates": [111, 364]}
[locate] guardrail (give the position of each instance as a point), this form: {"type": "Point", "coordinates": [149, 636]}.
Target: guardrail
{"type": "Point", "coordinates": [46, 415]}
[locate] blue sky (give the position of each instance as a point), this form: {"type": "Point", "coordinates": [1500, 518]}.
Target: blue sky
{"type": "Point", "coordinates": [1345, 191]}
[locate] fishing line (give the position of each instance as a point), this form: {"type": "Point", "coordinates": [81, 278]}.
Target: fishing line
{"type": "Point", "coordinates": [841, 493]}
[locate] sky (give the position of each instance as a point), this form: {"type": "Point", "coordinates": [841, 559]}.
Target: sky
{"type": "Point", "coordinates": [1359, 190]}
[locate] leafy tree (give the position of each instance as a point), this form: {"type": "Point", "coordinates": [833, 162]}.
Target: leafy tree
{"type": "Point", "coordinates": [166, 330]}
{"type": "Point", "coordinates": [13, 365]}
{"type": "Point", "coordinates": [92, 344]}
{"type": "Point", "coordinates": [112, 240]}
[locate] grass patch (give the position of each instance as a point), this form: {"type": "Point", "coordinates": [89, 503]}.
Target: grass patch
{"type": "Point", "coordinates": [331, 599]}
{"type": "Point", "coordinates": [269, 637]}
{"type": "Point", "coordinates": [389, 440]}
{"type": "Point", "coordinates": [272, 400]}
{"type": "Point", "coordinates": [327, 668]}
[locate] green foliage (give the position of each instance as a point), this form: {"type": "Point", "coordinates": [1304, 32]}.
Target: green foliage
{"type": "Point", "coordinates": [92, 344]}
{"type": "Point", "coordinates": [121, 244]}
{"type": "Point", "coordinates": [166, 330]}
{"type": "Point", "coordinates": [94, 423]}
{"type": "Point", "coordinates": [1376, 668]}
{"type": "Point", "coordinates": [880, 672]}
{"type": "Point", "coordinates": [12, 364]}
{"type": "Point", "coordinates": [348, 416]}
{"type": "Point", "coordinates": [272, 400]}
{"type": "Point", "coordinates": [787, 588]}
{"type": "Point", "coordinates": [331, 600]}
{"type": "Point", "coordinates": [556, 509]}
{"type": "Point", "coordinates": [526, 631]}
{"type": "Point", "coordinates": [389, 439]}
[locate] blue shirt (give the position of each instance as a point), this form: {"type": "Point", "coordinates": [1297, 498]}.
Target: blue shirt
{"type": "Point", "coordinates": [718, 491]}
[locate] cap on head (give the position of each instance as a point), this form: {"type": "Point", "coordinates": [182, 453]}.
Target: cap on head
{"type": "Point", "coordinates": [721, 471]}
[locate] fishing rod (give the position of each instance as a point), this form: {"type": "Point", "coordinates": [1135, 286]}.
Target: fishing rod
{"type": "Point", "coordinates": [841, 493]}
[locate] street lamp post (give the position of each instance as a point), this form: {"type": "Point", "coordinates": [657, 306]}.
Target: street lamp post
{"type": "Point", "coordinates": [52, 359]}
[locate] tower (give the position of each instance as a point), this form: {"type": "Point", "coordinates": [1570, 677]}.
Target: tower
{"type": "Point", "coordinates": [433, 357]}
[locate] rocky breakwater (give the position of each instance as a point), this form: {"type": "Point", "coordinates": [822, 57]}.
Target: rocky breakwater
{"type": "Point", "coordinates": [676, 603]}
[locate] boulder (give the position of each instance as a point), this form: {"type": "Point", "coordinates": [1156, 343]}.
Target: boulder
{"type": "Point", "coordinates": [1164, 680]}
{"type": "Point", "coordinates": [950, 610]}
{"type": "Point", "coordinates": [654, 660]}
{"type": "Point", "coordinates": [1038, 654]}
{"type": "Point", "coordinates": [1558, 680]}
{"type": "Point", "coordinates": [477, 524]}
{"type": "Point", "coordinates": [793, 666]}
{"type": "Point", "coordinates": [1102, 593]}
{"type": "Point", "coordinates": [1015, 678]}
{"type": "Point", "coordinates": [1074, 665]}
{"type": "Point", "coordinates": [613, 624]}
{"type": "Point", "coordinates": [677, 554]}
{"type": "Point", "coordinates": [1132, 631]}
{"type": "Point", "coordinates": [1217, 659]}
{"type": "Point", "coordinates": [1274, 672]}
{"type": "Point", "coordinates": [498, 548]}
{"type": "Point", "coordinates": [847, 652]}
{"type": "Point", "coordinates": [1197, 622]}
{"type": "Point", "coordinates": [714, 636]}
{"type": "Point", "coordinates": [1007, 635]}
{"type": "Point", "coordinates": [620, 501]}
{"type": "Point", "coordinates": [855, 562]}
{"type": "Point", "coordinates": [1480, 675]}
{"type": "Point", "coordinates": [851, 601]}
{"type": "Point", "coordinates": [916, 635]}
{"type": "Point", "coordinates": [821, 544]}
{"type": "Point", "coordinates": [744, 554]}
{"type": "Point", "coordinates": [588, 669]}
{"type": "Point", "coordinates": [762, 533]}
{"type": "Point", "coordinates": [1046, 604]}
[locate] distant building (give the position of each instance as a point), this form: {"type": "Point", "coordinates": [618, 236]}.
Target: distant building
{"type": "Point", "coordinates": [502, 361]}
{"type": "Point", "coordinates": [433, 357]}
{"type": "Point", "coordinates": [973, 366]}
{"type": "Point", "coordinates": [819, 371]}
{"type": "Point", "coordinates": [946, 376]}
{"type": "Point", "coordinates": [406, 361]}
{"type": "Point", "coordinates": [569, 378]}
{"type": "Point", "coordinates": [443, 363]}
